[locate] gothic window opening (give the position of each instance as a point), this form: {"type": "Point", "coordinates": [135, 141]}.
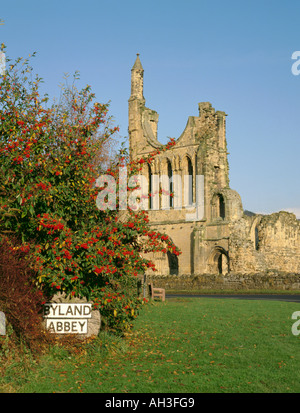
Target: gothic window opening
{"type": "Point", "coordinates": [173, 263]}
{"type": "Point", "coordinates": [191, 182]}
{"type": "Point", "coordinates": [219, 263]}
{"type": "Point", "coordinates": [254, 234]}
{"type": "Point", "coordinates": [221, 206]}
{"type": "Point", "coordinates": [218, 207]}
{"type": "Point", "coordinates": [149, 187]}
{"type": "Point", "coordinates": [170, 176]}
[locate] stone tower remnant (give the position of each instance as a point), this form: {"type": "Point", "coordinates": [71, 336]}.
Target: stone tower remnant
{"type": "Point", "coordinates": [225, 241]}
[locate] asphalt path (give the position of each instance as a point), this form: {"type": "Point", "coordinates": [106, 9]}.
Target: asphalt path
{"type": "Point", "coordinates": [274, 297]}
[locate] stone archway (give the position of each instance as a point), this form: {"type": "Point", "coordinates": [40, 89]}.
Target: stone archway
{"type": "Point", "coordinates": [173, 263]}
{"type": "Point", "coordinates": [218, 261]}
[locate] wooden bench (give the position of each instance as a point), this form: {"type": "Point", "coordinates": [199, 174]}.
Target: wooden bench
{"type": "Point", "coordinates": [156, 292]}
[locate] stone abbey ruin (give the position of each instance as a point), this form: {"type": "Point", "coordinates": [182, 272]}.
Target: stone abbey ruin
{"type": "Point", "coordinates": [223, 246]}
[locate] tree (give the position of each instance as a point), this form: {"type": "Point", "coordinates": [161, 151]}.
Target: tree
{"type": "Point", "coordinates": [50, 159]}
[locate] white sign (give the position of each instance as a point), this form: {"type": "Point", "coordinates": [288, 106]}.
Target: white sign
{"type": "Point", "coordinates": [67, 318]}
{"type": "Point", "coordinates": [66, 327]}
{"type": "Point", "coordinates": [67, 310]}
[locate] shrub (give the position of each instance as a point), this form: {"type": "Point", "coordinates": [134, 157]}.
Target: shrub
{"type": "Point", "coordinates": [50, 159]}
{"type": "Point", "coordinates": [20, 300]}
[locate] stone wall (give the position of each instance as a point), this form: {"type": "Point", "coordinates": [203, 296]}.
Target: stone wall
{"type": "Point", "coordinates": [235, 282]}
{"type": "Point", "coordinates": [265, 242]}
{"type": "Point", "coordinates": [264, 254]}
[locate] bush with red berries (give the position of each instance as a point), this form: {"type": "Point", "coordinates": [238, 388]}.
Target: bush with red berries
{"type": "Point", "coordinates": [50, 159]}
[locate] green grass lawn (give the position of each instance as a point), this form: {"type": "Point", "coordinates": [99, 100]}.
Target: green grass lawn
{"type": "Point", "coordinates": [185, 345]}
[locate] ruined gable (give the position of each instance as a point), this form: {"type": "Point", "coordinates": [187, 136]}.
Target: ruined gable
{"type": "Point", "coordinates": [223, 240]}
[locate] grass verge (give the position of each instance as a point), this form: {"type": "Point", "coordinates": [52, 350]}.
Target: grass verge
{"type": "Point", "coordinates": [185, 345]}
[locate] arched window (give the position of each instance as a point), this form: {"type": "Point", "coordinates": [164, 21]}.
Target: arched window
{"type": "Point", "coordinates": [221, 206]}
{"type": "Point", "coordinates": [149, 187]}
{"type": "Point", "coordinates": [256, 239]}
{"type": "Point", "coordinates": [188, 181]}
{"type": "Point", "coordinates": [170, 176]}
{"type": "Point", "coordinates": [254, 233]}
{"type": "Point", "coordinates": [218, 206]}
{"type": "Point", "coordinates": [173, 263]}
{"type": "Point", "coordinates": [218, 261]}
{"type": "Point", "coordinates": [191, 181]}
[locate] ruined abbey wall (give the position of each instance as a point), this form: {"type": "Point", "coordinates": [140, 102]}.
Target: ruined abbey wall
{"type": "Point", "coordinates": [265, 243]}
{"type": "Point", "coordinates": [205, 219]}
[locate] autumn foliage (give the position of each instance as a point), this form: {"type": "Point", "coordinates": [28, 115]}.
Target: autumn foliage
{"type": "Point", "coordinates": [20, 300]}
{"type": "Point", "coordinates": [50, 159]}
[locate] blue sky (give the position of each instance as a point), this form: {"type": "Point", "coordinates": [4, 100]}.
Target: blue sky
{"type": "Point", "coordinates": [234, 54]}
